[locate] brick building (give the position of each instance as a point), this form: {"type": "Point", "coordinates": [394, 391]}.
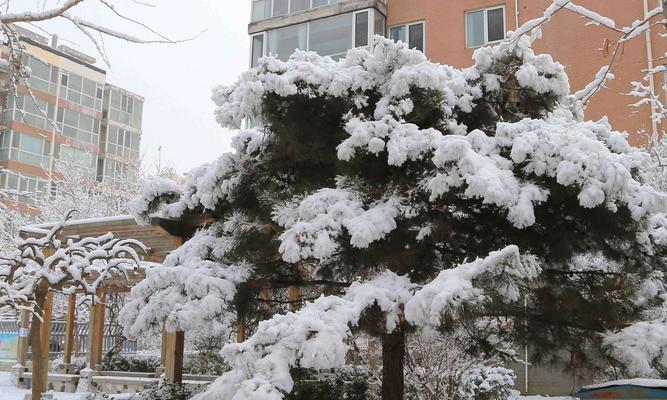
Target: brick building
{"type": "Point", "coordinates": [73, 114]}
{"type": "Point", "coordinates": [448, 31]}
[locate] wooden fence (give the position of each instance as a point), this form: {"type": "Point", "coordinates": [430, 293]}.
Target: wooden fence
{"type": "Point", "coordinates": [80, 337]}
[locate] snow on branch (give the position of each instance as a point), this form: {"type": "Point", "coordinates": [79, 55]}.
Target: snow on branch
{"type": "Point", "coordinates": [641, 348]}
{"type": "Point", "coordinates": [314, 223]}
{"type": "Point", "coordinates": [503, 270]}
{"type": "Point", "coordinates": [188, 292]}
{"type": "Point", "coordinates": [317, 335]}
{"type": "Point", "coordinates": [64, 265]}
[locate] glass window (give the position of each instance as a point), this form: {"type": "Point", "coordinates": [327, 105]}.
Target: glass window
{"type": "Point", "coordinates": [89, 87]}
{"type": "Point", "coordinates": [484, 26]}
{"type": "Point", "coordinates": [416, 36]}
{"type": "Point", "coordinates": [496, 24]}
{"type": "Point", "coordinates": [64, 80]}
{"type": "Point", "coordinates": [86, 122]}
{"type": "Point", "coordinates": [75, 82]}
{"type": "Point", "coordinates": [40, 69]}
{"type": "Point", "coordinates": [475, 28]}
{"type": "Point", "coordinates": [282, 42]}
{"type": "Point", "coordinates": [361, 29]}
{"type": "Point", "coordinates": [257, 49]}
{"type": "Point", "coordinates": [319, 3]}
{"type": "Point", "coordinates": [71, 118]}
{"type": "Point", "coordinates": [32, 144]}
{"type": "Point", "coordinates": [115, 99]}
{"type": "Point", "coordinates": [261, 9]}
{"type": "Point", "coordinates": [398, 33]}
{"type": "Point", "coordinates": [331, 36]}
{"type": "Point", "coordinates": [379, 24]}
{"type": "Point", "coordinates": [280, 7]}
{"type": "Point", "coordinates": [299, 5]}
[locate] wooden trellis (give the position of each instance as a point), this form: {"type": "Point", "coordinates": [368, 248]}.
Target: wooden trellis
{"type": "Point", "coordinates": [161, 237]}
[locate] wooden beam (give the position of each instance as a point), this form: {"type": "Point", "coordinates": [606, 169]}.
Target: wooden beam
{"type": "Point", "coordinates": [174, 357]}
{"type": "Point", "coordinates": [96, 334]}
{"type": "Point", "coordinates": [69, 329]}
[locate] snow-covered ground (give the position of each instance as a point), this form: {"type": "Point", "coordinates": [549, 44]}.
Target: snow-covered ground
{"type": "Point", "coordinates": [9, 392]}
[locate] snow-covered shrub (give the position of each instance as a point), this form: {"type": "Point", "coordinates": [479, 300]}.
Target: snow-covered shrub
{"type": "Point", "coordinates": [139, 362]}
{"type": "Point", "coordinates": [487, 383]}
{"type": "Point", "coordinates": [349, 382]}
{"type": "Point", "coordinates": [165, 391]}
{"type": "Point", "coordinates": [78, 363]}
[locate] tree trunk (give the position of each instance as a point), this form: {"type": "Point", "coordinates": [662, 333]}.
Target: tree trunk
{"type": "Point", "coordinates": [393, 358]}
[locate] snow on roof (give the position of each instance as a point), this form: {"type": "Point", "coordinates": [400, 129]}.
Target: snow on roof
{"type": "Point", "coordinates": [643, 382]}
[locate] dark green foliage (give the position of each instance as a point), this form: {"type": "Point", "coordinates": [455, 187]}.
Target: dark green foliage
{"type": "Point", "coordinates": [131, 362]}
{"type": "Point", "coordinates": [345, 384]}
{"type": "Point", "coordinates": [165, 391]}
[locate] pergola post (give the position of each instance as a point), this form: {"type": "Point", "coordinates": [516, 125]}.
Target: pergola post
{"type": "Point", "coordinates": [69, 331]}
{"type": "Point", "coordinates": [40, 337]}
{"type": "Point", "coordinates": [24, 339]}
{"type": "Point", "coordinates": [294, 295]}
{"type": "Point", "coordinates": [175, 344]}
{"type": "Point", "coordinates": [96, 333]}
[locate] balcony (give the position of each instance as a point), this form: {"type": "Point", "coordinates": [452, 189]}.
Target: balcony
{"type": "Point", "coordinates": [271, 14]}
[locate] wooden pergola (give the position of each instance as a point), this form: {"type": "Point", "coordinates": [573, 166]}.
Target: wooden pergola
{"type": "Point", "coordinates": [160, 237]}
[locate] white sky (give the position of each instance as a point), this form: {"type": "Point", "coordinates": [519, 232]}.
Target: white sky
{"type": "Point", "coordinates": [175, 79]}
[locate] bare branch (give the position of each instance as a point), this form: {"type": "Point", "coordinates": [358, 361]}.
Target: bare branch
{"type": "Point", "coordinates": [39, 16]}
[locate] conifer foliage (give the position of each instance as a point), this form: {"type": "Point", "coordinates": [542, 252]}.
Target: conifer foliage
{"type": "Point", "coordinates": [399, 194]}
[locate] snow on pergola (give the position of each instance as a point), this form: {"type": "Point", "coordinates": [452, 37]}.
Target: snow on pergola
{"type": "Point", "coordinates": [160, 237]}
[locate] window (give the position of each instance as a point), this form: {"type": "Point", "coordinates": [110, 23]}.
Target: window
{"type": "Point", "coordinates": [41, 74]}
{"type": "Point", "coordinates": [25, 148]}
{"type": "Point", "coordinates": [22, 187]}
{"type": "Point", "coordinates": [261, 9]}
{"type": "Point", "coordinates": [299, 5]}
{"type": "Point", "coordinates": [123, 108]}
{"type": "Point", "coordinates": [280, 7]}
{"type": "Point", "coordinates": [361, 29]}
{"type": "Point", "coordinates": [78, 125]}
{"type": "Point", "coordinates": [485, 26]}
{"type": "Point", "coordinates": [80, 90]}
{"type": "Point", "coordinates": [282, 42]}
{"type": "Point", "coordinates": [331, 36]}
{"type": "Point", "coordinates": [265, 9]}
{"type": "Point", "coordinates": [257, 49]}
{"type": "Point", "coordinates": [411, 34]}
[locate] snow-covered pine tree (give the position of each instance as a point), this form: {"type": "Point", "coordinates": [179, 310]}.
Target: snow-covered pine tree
{"type": "Point", "coordinates": [374, 180]}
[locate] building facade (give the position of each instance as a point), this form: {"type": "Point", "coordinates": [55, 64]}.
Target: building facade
{"type": "Point", "coordinates": [64, 111]}
{"type": "Point", "coordinates": [449, 31]}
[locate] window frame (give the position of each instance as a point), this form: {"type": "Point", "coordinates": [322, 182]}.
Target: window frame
{"type": "Point", "coordinates": [372, 15]}
{"type": "Point", "coordinates": [485, 11]}
{"type": "Point", "coordinates": [252, 38]}
{"type": "Point", "coordinates": [407, 32]}
{"type": "Point", "coordinates": [290, 10]}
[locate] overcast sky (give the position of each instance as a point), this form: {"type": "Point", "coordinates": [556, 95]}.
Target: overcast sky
{"type": "Point", "coordinates": [175, 79]}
